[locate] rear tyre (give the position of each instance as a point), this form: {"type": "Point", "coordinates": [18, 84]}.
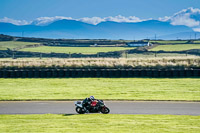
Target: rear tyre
{"type": "Point", "coordinates": [80, 110]}
{"type": "Point", "coordinates": [105, 110]}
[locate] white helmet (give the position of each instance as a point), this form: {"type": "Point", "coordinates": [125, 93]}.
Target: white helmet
{"type": "Point", "coordinates": [92, 97]}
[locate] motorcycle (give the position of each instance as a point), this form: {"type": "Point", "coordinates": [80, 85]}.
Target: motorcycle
{"type": "Point", "coordinates": [96, 106]}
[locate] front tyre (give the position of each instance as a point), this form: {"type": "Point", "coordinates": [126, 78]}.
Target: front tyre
{"type": "Point", "coordinates": [80, 110]}
{"type": "Point", "coordinates": [105, 110]}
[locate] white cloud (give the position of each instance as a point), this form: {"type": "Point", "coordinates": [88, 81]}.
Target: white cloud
{"type": "Point", "coordinates": [189, 17]}
{"type": "Point", "coordinates": [196, 29]}
{"type": "Point", "coordinates": [184, 20]}
{"type": "Point", "coordinates": [121, 18]}
{"type": "Point", "coordinates": [166, 18]}
{"type": "Point", "coordinates": [13, 21]}
{"type": "Point", "coordinates": [47, 20]}
{"type": "Point", "coordinates": [93, 20]}
{"type": "Point", "coordinates": [186, 17]}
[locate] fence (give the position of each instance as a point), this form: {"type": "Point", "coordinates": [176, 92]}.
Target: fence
{"type": "Point", "coordinates": [106, 73]}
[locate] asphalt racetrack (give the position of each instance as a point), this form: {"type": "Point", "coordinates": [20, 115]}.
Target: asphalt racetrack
{"type": "Point", "coordinates": [116, 107]}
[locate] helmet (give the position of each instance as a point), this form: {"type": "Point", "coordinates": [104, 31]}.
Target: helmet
{"type": "Point", "coordinates": [92, 97]}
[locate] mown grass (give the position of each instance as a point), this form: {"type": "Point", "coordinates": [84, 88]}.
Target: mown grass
{"type": "Point", "coordinates": [83, 50]}
{"type": "Point", "coordinates": [99, 123]}
{"type": "Point", "coordinates": [177, 47]}
{"type": "Point", "coordinates": [13, 44]}
{"type": "Point", "coordinates": [101, 88]}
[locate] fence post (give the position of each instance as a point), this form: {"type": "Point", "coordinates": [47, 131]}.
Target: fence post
{"type": "Point", "coordinates": [40, 55]}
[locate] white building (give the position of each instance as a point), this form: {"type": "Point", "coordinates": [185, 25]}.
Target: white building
{"type": "Point", "coordinates": [138, 44]}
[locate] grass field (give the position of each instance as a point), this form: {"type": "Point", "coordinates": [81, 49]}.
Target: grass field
{"type": "Point", "coordinates": [13, 44]}
{"type": "Point", "coordinates": [101, 88]}
{"type": "Point", "coordinates": [177, 47]}
{"type": "Point", "coordinates": [159, 55]}
{"type": "Point", "coordinates": [99, 123]}
{"type": "Point", "coordinates": [171, 42]}
{"type": "Point", "coordinates": [83, 50]}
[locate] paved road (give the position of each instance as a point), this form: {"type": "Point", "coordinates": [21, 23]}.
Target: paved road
{"type": "Point", "coordinates": [116, 107]}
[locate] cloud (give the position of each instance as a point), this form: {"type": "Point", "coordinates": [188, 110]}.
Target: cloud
{"type": "Point", "coordinates": [13, 21]}
{"type": "Point", "coordinates": [93, 20]}
{"type": "Point", "coordinates": [196, 29]}
{"type": "Point", "coordinates": [189, 17]}
{"type": "Point", "coordinates": [119, 18]}
{"type": "Point", "coordinates": [48, 20]}
{"type": "Point", "coordinates": [184, 20]}
{"type": "Point", "coordinates": [164, 19]}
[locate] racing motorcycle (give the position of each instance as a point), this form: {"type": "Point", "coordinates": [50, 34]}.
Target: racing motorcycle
{"type": "Point", "coordinates": [96, 106]}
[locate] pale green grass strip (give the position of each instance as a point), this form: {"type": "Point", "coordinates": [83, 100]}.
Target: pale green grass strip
{"type": "Point", "coordinates": [99, 123]}
{"type": "Point", "coordinates": [101, 88]}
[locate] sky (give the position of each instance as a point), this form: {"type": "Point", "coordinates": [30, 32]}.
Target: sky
{"type": "Point", "coordinates": [44, 12]}
{"type": "Point", "coordinates": [143, 9]}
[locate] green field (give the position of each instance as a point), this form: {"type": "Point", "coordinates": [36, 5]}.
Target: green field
{"type": "Point", "coordinates": [169, 42]}
{"type": "Point", "coordinates": [177, 47]}
{"type": "Point", "coordinates": [99, 123]}
{"type": "Point", "coordinates": [13, 44]}
{"type": "Point", "coordinates": [83, 50]}
{"type": "Point", "coordinates": [159, 55]}
{"type": "Point", "coordinates": [101, 88]}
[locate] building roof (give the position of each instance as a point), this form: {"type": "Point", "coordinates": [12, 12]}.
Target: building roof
{"type": "Point", "coordinates": [137, 42]}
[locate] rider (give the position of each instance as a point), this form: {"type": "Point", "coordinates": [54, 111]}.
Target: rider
{"type": "Point", "coordinates": [87, 102]}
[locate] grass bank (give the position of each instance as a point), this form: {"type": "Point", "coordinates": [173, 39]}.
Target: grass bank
{"type": "Point", "coordinates": [102, 88]}
{"type": "Point", "coordinates": [99, 123]}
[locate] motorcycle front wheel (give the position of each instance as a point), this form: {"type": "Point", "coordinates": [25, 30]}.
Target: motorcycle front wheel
{"type": "Point", "coordinates": [105, 110]}
{"type": "Point", "coordinates": [80, 110]}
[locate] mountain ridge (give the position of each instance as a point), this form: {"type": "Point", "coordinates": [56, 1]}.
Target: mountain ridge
{"type": "Point", "coordinates": [103, 30]}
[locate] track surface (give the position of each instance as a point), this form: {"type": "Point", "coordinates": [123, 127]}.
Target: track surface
{"type": "Point", "coordinates": [116, 107]}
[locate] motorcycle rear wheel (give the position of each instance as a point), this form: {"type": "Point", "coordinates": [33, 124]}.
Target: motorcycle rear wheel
{"type": "Point", "coordinates": [105, 110]}
{"type": "Point", "coordinates": [80, 110]}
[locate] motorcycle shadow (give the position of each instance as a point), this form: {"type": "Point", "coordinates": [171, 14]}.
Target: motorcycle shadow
{"type": "Point", "coordinates": [75, 114]}
{"type": "Point", "coordinates": [69, 114]}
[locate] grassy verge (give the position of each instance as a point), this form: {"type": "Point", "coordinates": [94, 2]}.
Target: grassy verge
{"type": "Point", "coordinates": [177, 47]}
{"type": "Point", "coordinates": [99, 123]}
{"type": "Point", "coordinates": [83, 50]}
{"type": "Point", "coordinates": [101, 88]}
{"type": "Point", "coordinates": [138, 63]}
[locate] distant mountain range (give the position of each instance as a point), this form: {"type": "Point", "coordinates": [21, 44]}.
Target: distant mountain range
{"type": "Point", "coordinates": [73, 29]}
